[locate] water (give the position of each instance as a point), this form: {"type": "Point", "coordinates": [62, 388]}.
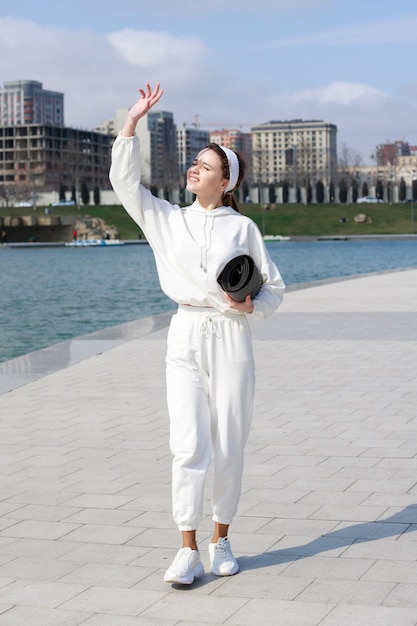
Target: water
{"type": "Point", "coordinates": [49, 295]}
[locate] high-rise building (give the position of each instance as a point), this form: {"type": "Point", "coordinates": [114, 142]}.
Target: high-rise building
{"type": "Point", "coordinates": [26, 102]}
{"type": "Point", "coordinates": [189, 143]}
{"type": "Point", "coordinates": [163, 150]}
{"type": "Point", "coordinates": [294, 151]}
{"type": "Point", "coordinates": [157, 133]}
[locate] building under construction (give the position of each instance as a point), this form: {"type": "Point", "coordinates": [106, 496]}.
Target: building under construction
{"type": "Point", "coordinates": [38, 153]}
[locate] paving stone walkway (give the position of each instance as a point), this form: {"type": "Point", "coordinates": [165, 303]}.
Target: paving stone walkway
{"type": "Point", "coordinates": [327, 526]}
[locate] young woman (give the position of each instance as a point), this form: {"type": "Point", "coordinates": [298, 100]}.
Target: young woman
{"type": "Point", "coordinates": [209, 364]}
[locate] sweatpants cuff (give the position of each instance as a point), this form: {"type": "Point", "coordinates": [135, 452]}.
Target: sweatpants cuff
{"type": "Point", "coordinates": [220, 520]}
{"type": "Point", "coordinates": [185, 527]}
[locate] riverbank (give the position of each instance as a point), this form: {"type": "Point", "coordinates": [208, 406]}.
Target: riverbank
{"type": "Point", "coordinates": [289, 220]}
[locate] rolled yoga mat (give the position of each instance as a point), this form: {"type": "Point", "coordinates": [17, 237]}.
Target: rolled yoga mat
{"type": "Point", "coordinates": [240, 277]}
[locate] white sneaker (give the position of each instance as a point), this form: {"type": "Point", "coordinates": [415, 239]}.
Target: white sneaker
{"type": "Point", "coordinates": [186, 566]}
{"type": "Point", "coordinates": [223, 563]}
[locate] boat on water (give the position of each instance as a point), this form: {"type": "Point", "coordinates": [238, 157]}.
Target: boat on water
{"type": "Point", "coordinates": [82, 243]}
{"type": "Point", "coordinates": [276, 238]}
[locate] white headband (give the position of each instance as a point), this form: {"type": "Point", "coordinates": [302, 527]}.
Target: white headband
{"type": "Point", "coordinates": [233, 168]}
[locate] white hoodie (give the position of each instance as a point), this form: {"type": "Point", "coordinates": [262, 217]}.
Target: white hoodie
{"type": "Point", "coordinates": [192, 245]}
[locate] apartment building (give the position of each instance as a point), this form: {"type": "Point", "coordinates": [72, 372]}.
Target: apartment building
{"type": "Point", "coordinates": [296, 151]}
{"type": "Point", "coordinates": [388, 153]}
{"type": "Point", "coordinates": [26, 102]}
{"type": "Point", "coordinates": [107, 127]}
{"type": "Point", "coordinates": [239, 141]}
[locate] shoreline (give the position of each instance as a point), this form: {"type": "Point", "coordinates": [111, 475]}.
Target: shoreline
{"type": "Point", "coordinates": [60, 244]}
{"type": "Point", "coordinates": [131, 242]}
{"type": "Point", "coordinates": [31, 366]}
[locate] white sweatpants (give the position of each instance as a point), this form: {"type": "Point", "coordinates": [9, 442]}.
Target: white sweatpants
{"type": "Point", "coordinates": [210, 386]}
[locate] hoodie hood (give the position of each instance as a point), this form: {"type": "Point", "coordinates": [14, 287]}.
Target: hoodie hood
{"type": "Point", "coordinates": [219, 212]}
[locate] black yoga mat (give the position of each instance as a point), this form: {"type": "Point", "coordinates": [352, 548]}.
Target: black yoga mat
{"type": "Point", "coordinates": [240, 277]}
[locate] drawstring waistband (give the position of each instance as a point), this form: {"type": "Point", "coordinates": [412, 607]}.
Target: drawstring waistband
{"type": "Point", "coordinates": [208, 327]}
{"type": "Point", "coordinates": [208, 318]}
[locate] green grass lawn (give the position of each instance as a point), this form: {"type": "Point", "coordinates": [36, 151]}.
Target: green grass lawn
{"type": "Point", "coordinates": [323, 219]}
{"type": "Point", "coordinates": [290, 220]}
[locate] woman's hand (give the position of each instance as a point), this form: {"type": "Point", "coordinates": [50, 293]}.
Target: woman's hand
{"type": "Point", "coordinates": [147, 100]}
{"type": "Point", "coordinates": [244, 307]}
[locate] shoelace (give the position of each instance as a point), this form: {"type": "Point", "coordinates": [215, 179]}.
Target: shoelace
{"type": "Point", "coordinates": [181, 554]}
{"type": "Point", "coordinates": [221, 550]}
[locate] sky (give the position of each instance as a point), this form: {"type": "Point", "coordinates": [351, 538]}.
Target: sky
{"type": "Point", "coordinates": [225, 63]}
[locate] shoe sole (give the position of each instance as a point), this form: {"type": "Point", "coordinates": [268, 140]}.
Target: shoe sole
{"type": "Point", "coordinates": [186, 580]}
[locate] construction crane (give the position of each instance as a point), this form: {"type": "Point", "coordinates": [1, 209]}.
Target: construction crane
{"type": "Point", "coordinates": [197, 123]}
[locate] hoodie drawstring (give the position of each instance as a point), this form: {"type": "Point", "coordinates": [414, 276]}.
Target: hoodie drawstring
{"type": "Point", "coordinates": [208, 227]}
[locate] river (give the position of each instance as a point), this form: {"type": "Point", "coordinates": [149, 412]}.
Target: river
{"type": "Point", "coordinates": [50, 295]}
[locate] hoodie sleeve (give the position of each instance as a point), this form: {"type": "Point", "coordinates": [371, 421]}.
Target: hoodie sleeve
{"type": "Point", "coordinates": [149, 212]}
{"type": "Point", "coordinates": [125, 176]}
{"type": "Point", "coordinates": [272, 291]}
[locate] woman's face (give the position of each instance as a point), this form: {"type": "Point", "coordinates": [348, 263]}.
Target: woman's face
{"type": "Point", "coordinates": [205, 176]}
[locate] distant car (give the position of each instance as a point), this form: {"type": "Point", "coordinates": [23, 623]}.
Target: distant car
{"type": "Point", "coordinates": [64, 203]}
{"type": "Point", "coordinates": [369, 200]}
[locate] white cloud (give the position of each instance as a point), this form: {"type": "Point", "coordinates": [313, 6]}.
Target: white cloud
{"type": "Point", "coordinates": [158, 52]}
{"type": "Point", "coordinates": [382, 32]}
{"type": "Point", "coordinates": [99, 73]}
{"type": "Point", "coordinates": [364, 115]}
{"type": "Point", "coordinates": [337, 93]}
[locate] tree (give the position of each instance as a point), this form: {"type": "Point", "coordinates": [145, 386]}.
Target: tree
{"type": "Point", "coordinates": [96, 195]}
{"type": "Point", "coordinates": [85, 194]}
{"type": "Point", "coordinates": [320, 192]}
{"type": "Point", "coordinates": [403, 189]}
{"type": "Point", "coordinates": [379, 190]}
{"type": "Point", "coordinates": [331, 191]}
{"type": "Point", "coordinates": [348, 159]}
{"type": "Point", "coordinates": [62, 192]}
{"type": "Point", "coordinates": [309, 193]}
{"type": "Point", "coordinates": [245, 190]}
{"type": "Point", "coordinates": [354, 190]}
{"type": "Point", "coordinates": [285, 192]}
{"type": "Point", "coordinates": [271, 193]}
{"type": "Point", "coordinates": [343, 191]}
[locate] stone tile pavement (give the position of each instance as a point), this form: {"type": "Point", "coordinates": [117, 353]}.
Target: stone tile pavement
{"type": "Point", "coordinates": [327, 526]}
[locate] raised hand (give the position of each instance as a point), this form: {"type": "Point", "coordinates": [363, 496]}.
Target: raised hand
{"type": "Point", "coordinates": [148, 99]}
